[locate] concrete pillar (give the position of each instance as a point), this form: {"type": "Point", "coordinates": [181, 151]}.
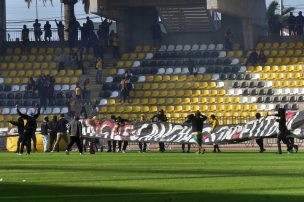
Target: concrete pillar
{"type": "Point", "coordinates": [248, 33]}
{"type": "Point", "coordinates": [68, 14]}
{"type": "Point", "coordinates": [134, 26]}
{"type": "Point", "coordinates": [2, 22]}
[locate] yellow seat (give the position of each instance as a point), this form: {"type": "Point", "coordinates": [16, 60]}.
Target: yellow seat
{"type": "Point", "coordinates": [260, 46]}
{"type": "Point", "coordinates": [147, 48]}
{"type": "Point", "coordinates": [203, 100]}
{"type": "Point", "coordinates": [282, 53]}
{"type": "Point", "coordinates": [246, 107]}
{"type": "Point", "coordinates": [228, 100]}
{"type": "Point", "coordinates": [283, 45]}
{"type": "Point", "coordinates": [288, 75]}
{"type": "Point", "coordinates": [275, 45]}
{"type": "Point", "coordinates": [62, 73]}
{"type": "Point", "coordinates": [290, 53]}
{"type": "Point", "coordinates": [24, 80]}
{"type": "Point", "coordinates": [12, 73]}
{"type": "Point", "coordinates": [21, 73]}
{"type": "Point", "coordinates": [11, 66]}
{"type": "Point", "coordinates": [125, 56]}
{"type": "Point", "coordinates": [138, 48]}
{"type": "Point", "coordinates": [229, 108]}
{"type": "Point", "coordinates": [19, 66]}
{"type": "Point", "coordinates": [297, 75]}
{"type": "Point", "coordinates": [48, 58]}
{"type": "Point", "coordinates": [291, 45]}
{"type": "Point", "coordinates": [58, 80]}
{"type": "Point", "coordinates": [141, 56]}
{"type": "Point", "coordinates": [120, 64]}
{"type": "Point", "coordinates": [36, 65]}
{"type": "Point", "coordinates": [204, 108]}
{"type": "Point", "coordinates": [8, 80]}
{"type": "Point", "coordinates": [274, 53]}
{"type": "Point", "coordinates": [236, 100]}
{"type": "Point", "coordinates": [253, 107]}
{"type": "Point", "coordinates": [70, 73]}
{"type": "Point", "coordinates": [128, 64]}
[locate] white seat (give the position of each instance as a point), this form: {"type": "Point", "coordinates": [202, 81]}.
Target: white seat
{"type": "Point", "coordinates": [23, 110]}
{"type": "Point", "coordinates": [301, 91]}
{"type": "Point", "coordinates": [252, 99]}
{"type": "Point", "coordinates": [219, 47]}
{"type": "Point", "coordinates": [179, 47]}
{"type": "Point", "coordinates": [244, 99]}
{"type": "Point", "coordinates": [136, 63]}
{"type": "Point", "coordinates": [171, 48]}
{"type": "Point", "coordinates": [201, 70]}
{"type": "Point", "coordinates": [243, 69]}
{"type": "Point", "coordinates": [256, 76]}
{"type": "Point", "coordinates": [195, 47]}
{"type": "Point", "coordinates": [5, 111]}
{"type": "Point", "coordinates": [286, 91]}
{"type": "Point", "coordinates": [163, 48]}
{"type": "Point", "coordinates": [278, 91]}
{"type": "Point", "coordinates": [103, 102]}
{"type": "Point", "coordinates": [222, 54]}
{"type": "Point", "coordinates": [149, 56]}
{"type": "Point", "coordinates": [114, 94]}
{"type": "Point", "coordinates": [169, 70]}
{"type": "Point", "coordinates": [220, 84]}
{"type": "Point", "coordinates": [64, 110]}
{"type": "Point", "coordinates": [48, 110]}
{"type": "Point", "coordinates": [13, 111]}
{"type": "Point", "coordinates": [109, 79]}
{"type": "Point", "coordinates": [203, 47]}
{"type": "Point", "coordinates": [23, 88]}
{"type": "Point", "coordinates": [187, 47]}
{"type": "Point", "coordinates": [121, 72]}
{"type": "Point", "coordinates": [270, 107]}
{"type": "Point", "coordinates": [1, 80]}
{"type": "Point", "coordinates": [185, 70]}
{"type": "Point", "coordinates": [268, 84]}
{"type": "Point", "coordinates": [215, 77]}
{"type": "Point", "coordinates": [161, 71]}
{"type": "Point", "coordinates": [65, 87]}
{"type": "Point", "coordinates": [235, 61]}
{"type": "Point", "coordinates": [178, 70]}
{"type": "Point", "coordinates": [238, 91]}
{"type": "Point", "coordinates": [141, 78]}
{"type": "Point", "coordinates": [56, 110]}
{"type": "Point", "coordinates": [57, 87]}
{"type": "Point", "coordinates": [211, 47]}
{"type": "Point", "coordinates": [230, 92]}
{"type": "Point", "coordinates": [295, 91]}
{"type": "Point", "coordinates": [15, 88]}
{"type": "Point", "coordinates": [261, 107]}
{"type": "Point", "coordinates": [72, 87]}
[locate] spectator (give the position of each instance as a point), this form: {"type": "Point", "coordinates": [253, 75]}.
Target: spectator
{"type": "Point", "coordinates": [90, 26]}
{"type": "Point", "coordinates": [253, 58]}
{"type": "Point", "coordinates": [116, 46]}
{"type": "Point", "coordinates": [228, 40]}
{"type": "Point", "coordinates": [78, 91]}
{"type": "Point", "coordinates": [44, 133]}
{"type": "Point", "coordinates": [191, 67]}
{"type": "Point", "coordinates": [42, 91]}
{"type": "Point", "coordinates": [73, 31]}
{"type": "Point", "coordinates": [60, 30]}
{"type": "Point", "coordinates": [31, 86]}
{"type": "Point", "coordinates": [99, 67]}
{"type": "Point", "coordinates": [87, 91]}
{"type": "Point", "coordinates": [300, 23]}
{"type": "Point", "coordinates": [84, 32]}
{"type": "Point", "coordinates": [47, 31]}
{"type": "Point", "coordinates": [25, 37]}
{"type": "Point", "coordinates": [105, 24]}
{"type": "Point", "coordinates": [37, 30]}
{"type": "Point", "coordinates": [61, 60]}
{"type": "Point", "coordinates": [124, 91]}
{"type": "Point", "coordinates": [262, 58]}
{"type": "Point", "coordinates": [83, 113]}
{"type": "Point", "coordinates": [291, 22]}
{"type": "Point", "coordinates": [142, 145]}
{"type": "Point", "coordinates": [50, 89]}
{"type": "Point", "coordinates": [128, 75]}
{"type": "Point", "coordinates": [103, 36]}
{"type": "Point", "coordinates": [156, 33]}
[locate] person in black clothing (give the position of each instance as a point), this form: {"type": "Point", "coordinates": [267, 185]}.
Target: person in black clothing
{"type": "Point", "coordinates": [37, 30]}
{"type": "Point", "coordinates": [61, 132]}
{"type": "Point", "coordinates": [90, 26]}
{"type": "Point", "coordinates": [44, 132]}
{"type": "Point", "coordinates": [197, 122]}
{"type": "Point", "coordinates": [75, 131]}
{"type": "Point", "coordinates": [189, 118]}
{"type": "Point", "coordinates": [259, 141]}
{"type": "Point", "coordinates": [156, 33]}
{"type": "Point", "coordinates": [228, 40]}
{"type": "Point", "coordinates": [53, 132]}
{"type": "Point", "coordinates": [60, 30]}
{"type": "Point", "coordinates": [120, 122]}
{"type": "Point", "coordinates": [105, 25]}
{"type": "Point", "coordinates": [112, 142]}
{"type": "Point", "coordinates": [191, 67]}
{"type": "Point", "coordinates": [30, 128]}
{"type": "Point", "coordinates": [142, 145]}
{"type": "Point", "coordinates": [291, 22]}
{"type": "Point", "coordinates": [300, 23]}
{"type": "Point", "coordinates": [20, 125]}
{"type": "Point", "coordinates": [47, 31]}
{"type": "Point", "coordinates": [160, 117]}
{"type": "Point", "coordinates": [253, 58]}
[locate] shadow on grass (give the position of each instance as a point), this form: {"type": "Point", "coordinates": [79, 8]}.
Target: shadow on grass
{"type": "Point", "coordinates": [26, 192]}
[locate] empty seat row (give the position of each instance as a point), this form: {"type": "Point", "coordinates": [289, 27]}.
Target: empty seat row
{"type": "Point", "coordinates": [133, 56]}
{"type": "Point", "coordinates": [28, 66]}
{"type": "Point", "coordinates": [29, 73]}
{"type": "Point", "coordinates": [278, 99]}
{"type": "Point", "coordinates": [199, 70]}
{"type": "Point", "coordinates": [48, 110]}
{"type": "Point", "coordinates": [276, 68]}
{"type": "Point", "coordinates": [127, 64]}
{"type": "Point", "coordinates": [282, 53]}
{"type": "Point", "coordinates": [48, 51]}
{"type": "Point", "coordinates": [30, 95]}
{"type": "Point", "coordinates": [248, 84]}
{"type": "Point", "coordinates": [183, 62]}
{"type": "Point", "coordinates": [194, 47]}
{"type": "Point", "coordinates": [191, 54]}
{"type": "Point", "coordinates": [25, 80]}
{"type": "Point", "coordinates": [178, 85]}
{"type": "Point", "coordinates": [277, 76]}
{"type": "Point", "coordinates": [238, 76]}
{"type": "Point", "coordinates": [254, 92]}
{"type": "Point", "coordinates": [30, 102]}
{"type": "Point", "coordinates": [284, 60]}
{"type": "Point", "coordinates": [277, 45]}
{"type": "Point", "coordinates": [289, 91]}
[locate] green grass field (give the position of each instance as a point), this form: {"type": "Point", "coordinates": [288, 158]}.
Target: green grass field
{"type": "Point", "coordinates": [230, 176]}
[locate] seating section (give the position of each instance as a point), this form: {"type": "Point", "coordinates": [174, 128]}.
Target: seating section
{"type": "Point", "coordinates": [16, 67]}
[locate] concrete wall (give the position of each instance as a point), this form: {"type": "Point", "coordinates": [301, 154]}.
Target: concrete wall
{"type": "Point", "coordinates": [228, 22]}
{"type": "Point", "coordinates": [134, 26]}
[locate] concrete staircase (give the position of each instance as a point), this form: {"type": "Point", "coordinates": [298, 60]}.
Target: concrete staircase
{"type": "Point", "coordinates": [95, 87]}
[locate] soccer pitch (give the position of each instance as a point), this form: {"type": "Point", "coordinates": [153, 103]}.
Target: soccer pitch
{"type": "Point", "coordinates": [229, 176]}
